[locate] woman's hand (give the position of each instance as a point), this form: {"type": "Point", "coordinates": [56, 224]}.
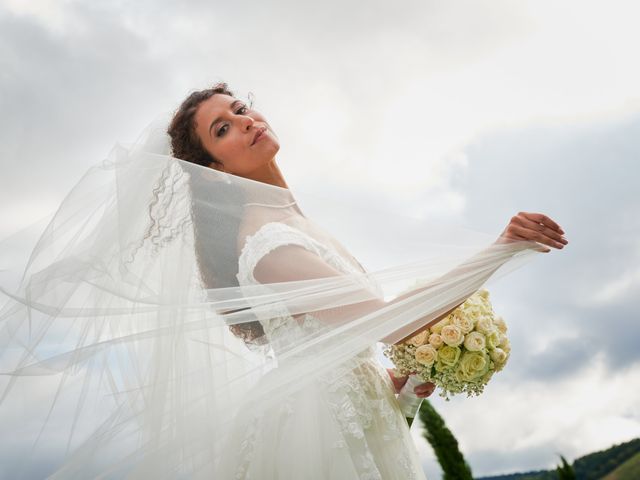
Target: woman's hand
{"type": "Point", "coordinates": [422, 391]}
{"type": "Point", "coordinates": [536, 227]}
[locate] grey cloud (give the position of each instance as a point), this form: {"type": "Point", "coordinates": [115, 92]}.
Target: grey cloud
{"type": "Point", "coordinates": [67, 96]}
{"type": "Point", "coordinates": [584, 179]}
{"type": "Point", "coordinates": [62, 93]}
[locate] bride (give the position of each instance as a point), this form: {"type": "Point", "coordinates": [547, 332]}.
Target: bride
{"type": "Point", "coordinates": [202, 326]}
{"type": "Point", "coordinates": [347, 429]}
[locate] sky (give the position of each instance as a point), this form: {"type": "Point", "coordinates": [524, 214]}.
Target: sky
{"type": "Point", "coordinates": [467, 111]}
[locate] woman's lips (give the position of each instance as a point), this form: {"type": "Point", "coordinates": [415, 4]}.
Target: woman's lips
{"type": "Point", "coordinates": [259, 135]}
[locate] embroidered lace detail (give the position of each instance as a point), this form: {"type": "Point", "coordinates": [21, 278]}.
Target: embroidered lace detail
{"type": "Point", "coordinates": [247, 449]}
{"type": "Point", "coordinates": [269, 237]}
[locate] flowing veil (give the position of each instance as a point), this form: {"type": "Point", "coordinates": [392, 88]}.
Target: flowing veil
{"type": "Point", "coordinates": [131, 345]}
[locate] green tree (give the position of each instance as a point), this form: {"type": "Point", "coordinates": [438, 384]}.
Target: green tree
{"type": "Point", "coordinates": [444, 444]}
{"type": "Point", "coordinates": [565, 471]}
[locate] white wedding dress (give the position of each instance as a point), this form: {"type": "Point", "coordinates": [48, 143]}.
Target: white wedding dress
{"type": "Point", "coordinates": [347, 426]}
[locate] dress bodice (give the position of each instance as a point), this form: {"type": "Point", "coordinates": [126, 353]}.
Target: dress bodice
{"type": "Point", "coordinates": [280, 327]}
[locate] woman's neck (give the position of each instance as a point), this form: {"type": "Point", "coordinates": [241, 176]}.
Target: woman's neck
{"type": "Point", "coordinates": [270, 174]}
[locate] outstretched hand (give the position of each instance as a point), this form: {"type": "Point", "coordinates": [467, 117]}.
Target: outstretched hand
{"type": "Point", "coordinates": [422, 391]}
{"type": "Point", "coordinates": [536, 227]}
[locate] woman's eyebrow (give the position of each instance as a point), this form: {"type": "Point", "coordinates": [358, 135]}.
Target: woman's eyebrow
{"type": "Point", "coordinates": [232, 106]}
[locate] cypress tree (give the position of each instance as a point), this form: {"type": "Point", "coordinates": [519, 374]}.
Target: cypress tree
{"type": "Point", "coordinates": [565, 471]}
{"type": "Point", "coordinates": [444, 444]}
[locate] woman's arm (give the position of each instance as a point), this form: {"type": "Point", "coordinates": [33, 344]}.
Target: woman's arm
{"type": "Point", "coordinates": [474, 272]}
{"type": "Point", "coordinates": [295, 263]}
{"type": "Point", "coordinates": [524, 226]}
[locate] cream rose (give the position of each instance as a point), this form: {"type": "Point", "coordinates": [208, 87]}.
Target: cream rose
{"type": "Point", "coordinates": [498, 355]}
{"type": "Point", "coordinates": [452, 335]}
{"type": "Point", "coordinates": [500, 324]}
{"type": "Point", "coordinates": [463, 322]}
{"type": "Point", "coordinates": [418, 339]}
{"type": "Point", "coordinates": [474, 342]}
{"type": "Point", "coordinates": [504, 344]}
{"type": "Point", "coordinates": [426, 355]}
{"type": "Point", "coordinates": [435, 340]}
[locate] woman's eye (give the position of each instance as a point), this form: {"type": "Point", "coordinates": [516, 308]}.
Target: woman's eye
{"type": "Point", "coordinates": [222, 130]}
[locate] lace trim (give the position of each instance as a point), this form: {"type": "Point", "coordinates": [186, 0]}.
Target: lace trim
{"type": "Point", "coordinates": [247, 448]}
{"type": "Point", "coordinates": [268, 237]}
{"type": "Point", "coordinates": [276, 234]}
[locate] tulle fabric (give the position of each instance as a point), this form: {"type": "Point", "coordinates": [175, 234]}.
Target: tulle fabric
{"type": "Point", "coordinates": [132, 349]}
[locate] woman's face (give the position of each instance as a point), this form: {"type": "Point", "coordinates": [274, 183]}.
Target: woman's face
{"type": "Point", "coordinates": [227, 129]}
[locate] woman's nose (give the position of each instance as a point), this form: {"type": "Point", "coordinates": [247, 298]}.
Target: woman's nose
{"type": "Point", "coordinates": [246, 122]}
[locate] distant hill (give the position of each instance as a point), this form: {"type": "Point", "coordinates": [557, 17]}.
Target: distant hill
{"type": "Point", "coordinates": [620, 462]}
{"type": "Point", "coordinates": [629, 470]}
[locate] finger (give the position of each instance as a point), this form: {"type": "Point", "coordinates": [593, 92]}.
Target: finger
{"type": "Point", "coordinates": [510, 236]}
{"type": "Point", "coordinates": [531, 225]}
{"type": "Point", "coordinates": [424, 389]}
{"type": "Point", "coordinates": [541, 218]}
{"type": "Point", "coordinates": [535, 235]}
{"type": "Point", "coordinates": [424, 395]}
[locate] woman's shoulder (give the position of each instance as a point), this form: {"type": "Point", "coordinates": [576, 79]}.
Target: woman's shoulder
{"type": "Point", "coordinates": [270, 234]}
{"type": "Point", "coordinates": [256, 241]}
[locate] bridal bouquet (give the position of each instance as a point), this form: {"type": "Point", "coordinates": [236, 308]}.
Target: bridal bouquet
{"type": "Point", "coordinates": [460, 353]}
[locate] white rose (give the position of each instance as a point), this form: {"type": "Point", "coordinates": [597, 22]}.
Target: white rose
{"type": "Point", "coordinates": [463, 322]}
{"type": "Point", "coordinates": [426, 355]}
{"type": "Point", "coordinates": [452, 335]}
{"type": "Point", "coordinates": [485, 325]}
{"type": "Point", "coordinates": [498, 355]}
{"type": "Point", "coordinates": [435, 340]}
{"type": "Point", "coordinates": [504, 344]}
{"type": "Point", "coordinates": [418, 339]}
{"type": "Point", "coordinates": [500, 324]}
{"type": "Point", "coordinates": [474, 342]}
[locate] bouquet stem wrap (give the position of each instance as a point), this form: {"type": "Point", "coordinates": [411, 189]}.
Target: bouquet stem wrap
{"type": "Point", "coordinates": [408, 400]}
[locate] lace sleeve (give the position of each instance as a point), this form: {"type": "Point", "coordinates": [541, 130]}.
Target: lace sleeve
{"type": "Point", "coordinates": [269, 237]}
{"type": "Point", "coordinates": [280, 253]}
{"type": "Point", "coordinates": [264, 259]}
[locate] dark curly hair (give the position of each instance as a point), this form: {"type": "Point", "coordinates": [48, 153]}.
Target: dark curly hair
{"type": "Point", "coordinates": [186, 145]}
